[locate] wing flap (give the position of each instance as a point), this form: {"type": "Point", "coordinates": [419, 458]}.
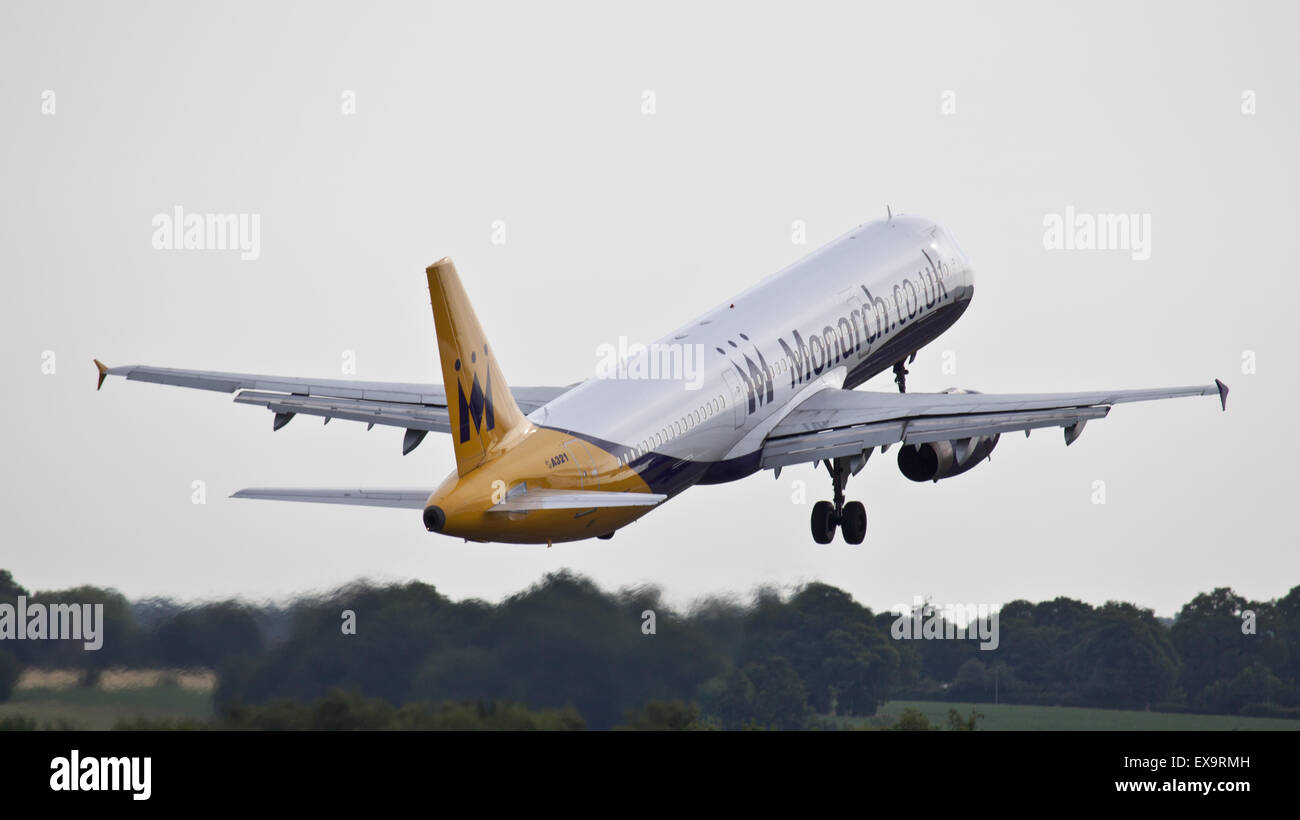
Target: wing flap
{"type": "Point", "coordinates": [420, 407]}
{"type": "Point", "coordinates": [836, 423]}
{"type": "Point", "coordinates": [835, 408]}
{"type": "Point", "coordinates": [920, 431]}
{"type": "Point", "coordinates": [851, 441]}
{"type": "Point", "coordinates": [394, 414]}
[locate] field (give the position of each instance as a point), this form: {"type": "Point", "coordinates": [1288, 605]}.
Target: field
{"type": "Point", "coordinates": [53, 699]}
{"type": "Point", "coordinates": [1009, 717]}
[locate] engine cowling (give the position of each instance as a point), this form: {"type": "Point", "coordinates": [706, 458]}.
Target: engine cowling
{"type": "Point", "coordinates": [935, 460]}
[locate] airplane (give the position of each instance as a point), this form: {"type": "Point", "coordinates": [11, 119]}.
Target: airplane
{"type": "Point", "coordinates": [778, 366]}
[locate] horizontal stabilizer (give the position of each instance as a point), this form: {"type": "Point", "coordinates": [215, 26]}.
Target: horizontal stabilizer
{"type": "Point", "coordinates": [522, 499]}
{"type": "Point", "coordinates": [412, 499]}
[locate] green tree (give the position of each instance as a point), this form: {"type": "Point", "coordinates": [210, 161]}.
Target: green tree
{"type": "Point", "coordinates": [973, 682]}
{"type": "Point", "coordinates": [1124, 660]}
{"type": "Point", "coordinates": [9, 588]}
{"type": "Point", "coordinates": [10, 669]}
{"type": "Point", "coordinates": [666, 716]}
{"type": "Point", "coordinates": [207, 635]}
{"type": "Point", "coordinates": [780, 701]}
{"type": "Point", "coordinates": [729, 699]}
{"type": "Point", "coordinates": [1208, 636]}
{"type": "Point", "coordinates": [846, 664]}
{"type": "Point", "coordinates": [121, 639]}
{"type": "Point", "coordinates": [913, 720]}
{"type": "Point", "coordinates": [957, 723]}
{"type": "Point", "coordinates": [1256, 684]}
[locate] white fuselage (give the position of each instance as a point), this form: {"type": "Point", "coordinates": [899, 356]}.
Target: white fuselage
{"type": "Point", "coordinates": [837, 317]}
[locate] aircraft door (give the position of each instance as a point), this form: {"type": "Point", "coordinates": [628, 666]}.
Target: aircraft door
{"type": "Point", "coordinates": [737, 398]}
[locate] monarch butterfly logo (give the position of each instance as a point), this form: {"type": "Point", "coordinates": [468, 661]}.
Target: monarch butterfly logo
{"type": "Point", "coordinates": [479, 404]}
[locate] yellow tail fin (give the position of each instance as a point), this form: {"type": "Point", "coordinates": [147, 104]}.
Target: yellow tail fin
{"type": "Point", "coordinates": [482, 410]}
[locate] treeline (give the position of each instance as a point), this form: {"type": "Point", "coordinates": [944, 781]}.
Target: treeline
{"type": "Point", "coordinates": [565, 650]}
{"type": "Point", "coordinates": [1221, 654]}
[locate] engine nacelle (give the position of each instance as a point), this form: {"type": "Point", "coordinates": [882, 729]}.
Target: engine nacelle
{"type": "Point", "coordinates": [943, 459]}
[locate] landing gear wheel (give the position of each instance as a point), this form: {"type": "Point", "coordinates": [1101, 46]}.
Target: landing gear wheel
{"type": "Point", "coordinates": [851, 518]}
{"type": "Point", "coordinates": [823, 522]}
{"type": "Point", "coordinates": [853, 522]}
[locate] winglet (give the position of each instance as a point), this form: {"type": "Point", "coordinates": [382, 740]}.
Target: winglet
{"type": "Point", "coordinates": [1223, 394]}
{"type": "Point", "coordinates": [103, 371]}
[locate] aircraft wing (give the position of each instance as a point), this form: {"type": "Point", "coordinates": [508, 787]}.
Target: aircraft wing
{"type": "Point", "coordinates": [413, 499]}
{"type": "Point", "coordinates": [525, 499]}
{"type": "Point", "coordinates": [844, 423]}
{"type": "Point", "coordinates": [520, 499]}
{"type": "Point", "coordinates": [419, 408]}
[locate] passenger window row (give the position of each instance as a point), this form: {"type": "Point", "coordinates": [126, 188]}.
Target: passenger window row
{"type": "Point", "coordinates": [684, 424]}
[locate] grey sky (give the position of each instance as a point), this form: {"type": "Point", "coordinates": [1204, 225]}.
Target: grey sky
{"type": "Point", "coordinates": [621, 223]}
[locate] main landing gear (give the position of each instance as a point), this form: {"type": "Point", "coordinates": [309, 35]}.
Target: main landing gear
{"type": "Point", "coordinates": [850, 518]}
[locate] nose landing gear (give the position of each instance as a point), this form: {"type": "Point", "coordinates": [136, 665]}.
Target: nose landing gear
{"type": "Point", "coordinates": [850, 518]}
{"type": "Point", "coordinates": [901, 371]}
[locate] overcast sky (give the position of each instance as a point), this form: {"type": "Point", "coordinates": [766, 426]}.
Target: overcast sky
{"type": "Point", "coordinates": [625, 215]}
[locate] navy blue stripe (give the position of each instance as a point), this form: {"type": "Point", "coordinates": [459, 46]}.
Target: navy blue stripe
{"type": "Point", "coordinates": [663, 473]}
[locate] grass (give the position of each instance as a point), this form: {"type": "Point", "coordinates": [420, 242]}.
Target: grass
{"type": "Point", "coordinates": [79, 707]}
{"type": "Point", "coordinates": [1006, 717]}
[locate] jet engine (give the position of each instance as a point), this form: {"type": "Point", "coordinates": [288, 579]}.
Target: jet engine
{"type": "Point", "coordinates": [943, 459]}
{"type": "Point", "coordinates": [934, 460]}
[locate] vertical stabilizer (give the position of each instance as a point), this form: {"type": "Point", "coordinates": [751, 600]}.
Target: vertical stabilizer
{"type": "Point", "coordinates": [482, 410]}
